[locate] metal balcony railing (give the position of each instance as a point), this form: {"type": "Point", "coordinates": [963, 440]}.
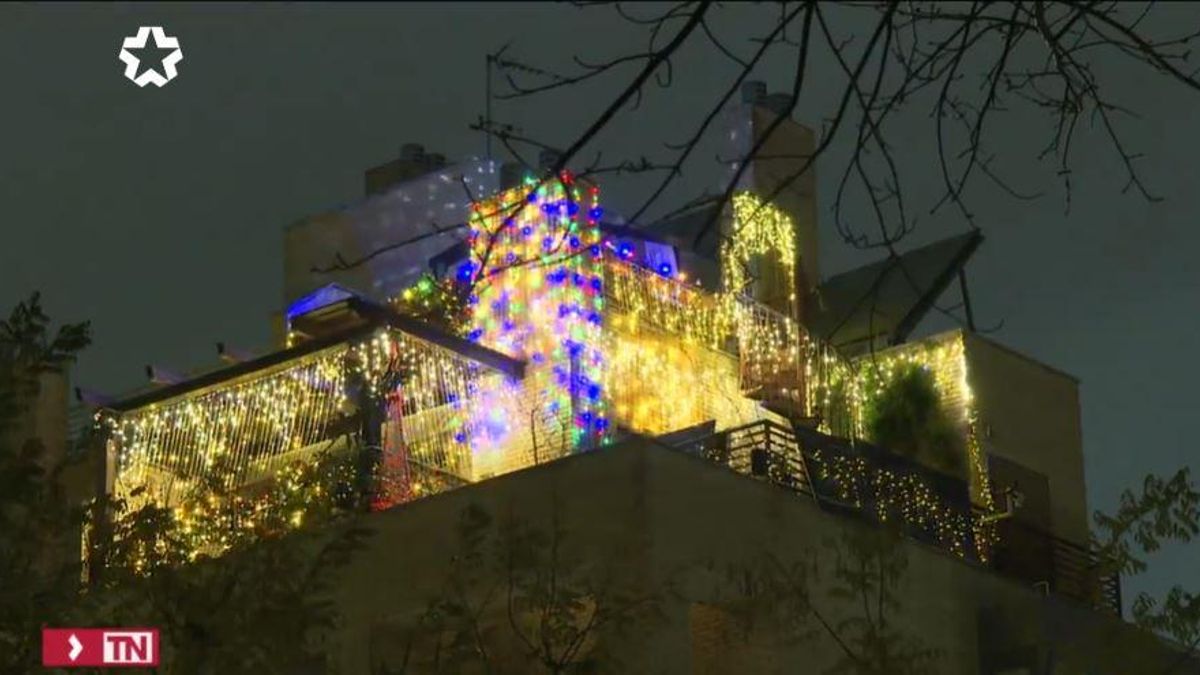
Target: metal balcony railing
{"type": "Point", "coordinates": [788, 457]}
{"type": "Point", "coordinates": [1027, 553]}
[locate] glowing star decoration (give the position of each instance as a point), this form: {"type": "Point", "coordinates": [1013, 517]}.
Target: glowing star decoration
{"type": "Point", "coordinates": [537, 294]}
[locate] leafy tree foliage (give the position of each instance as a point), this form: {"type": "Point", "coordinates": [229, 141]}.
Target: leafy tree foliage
{"type": "Point", "coordinates": [258, 608]}
{"type": "Point", "coordinates": [1164, 511]}
{"type": "Point", "coordinates": [33, 515]}
{"type": "Point", "coordinates": [908, 418]}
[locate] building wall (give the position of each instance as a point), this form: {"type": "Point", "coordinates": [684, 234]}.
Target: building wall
{"type": "Point", "coordinates": [403, 211]}
{"type": "Point", "coordinates": [783, 155]}
{"type": "Point", "coordinates": [646, 518]}
{"type": "Point", "coordinates": [1029, 414]}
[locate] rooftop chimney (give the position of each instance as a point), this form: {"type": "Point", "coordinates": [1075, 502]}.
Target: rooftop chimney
{"type": "Point", "coordinates": [753, 91]}
{"type": "Point", "coordinates": [413, 162]}
{"type": "Point", "coordinates": [777, 103]}
{"type": "Point", "coordinates": [412, 152]}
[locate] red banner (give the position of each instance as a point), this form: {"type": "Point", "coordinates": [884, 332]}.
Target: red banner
{"type": "Point", "coordinates": [91, 647]}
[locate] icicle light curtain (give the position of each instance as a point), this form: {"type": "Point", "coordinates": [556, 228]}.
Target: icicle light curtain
{"type": "Point", "coordinates": [247, 430]}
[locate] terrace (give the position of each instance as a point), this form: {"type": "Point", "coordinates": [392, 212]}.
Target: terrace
{"type": "Point", "coordinates": [862, 481]}
{"type": "Point", "coordinates": [578, 351]}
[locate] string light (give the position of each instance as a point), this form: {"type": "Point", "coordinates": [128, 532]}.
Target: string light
{"type": "Point", "coordinates": [607, 341]}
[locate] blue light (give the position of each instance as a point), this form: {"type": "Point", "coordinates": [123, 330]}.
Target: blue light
{"type": "Point", "coordinates": [474, 335]}
{"type": "Point", "coordinates": [665, 270]}
{"type": "Point", "coordinates": [597, 284]}
{"type": "Point", "coordinates": [574, 242]}
{"type": "Point", "coordinates": [595, 213]}
{"type": "Point", "coordinates": [526, 231]}
{"type": "Point", "coordinates": [601, 423]}
{"type": "Point", "coordinates": [572, 208]}
{"type": "Point", "coordinates": [464, 271]}
{"type": "Point", "coordinates": [532, 197]}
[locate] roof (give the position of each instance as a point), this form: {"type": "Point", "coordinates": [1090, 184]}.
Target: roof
{"type": "Point", "coordinates": [889, 297]}
{"type": "Point", "coordinates": [376, 316]}
{"type": "Point", "coordinates": [322, 297]}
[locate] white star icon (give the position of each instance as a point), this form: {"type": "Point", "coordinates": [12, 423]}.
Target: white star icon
{"type": "Point", "coordinates": [151, 75]}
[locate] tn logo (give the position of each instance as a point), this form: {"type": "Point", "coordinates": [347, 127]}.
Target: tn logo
{"type": "Point", "coordinates": [128, 647]}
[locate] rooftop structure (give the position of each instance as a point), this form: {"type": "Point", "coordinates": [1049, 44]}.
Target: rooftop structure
{"type": "Point", "coordinates": [535, 329]}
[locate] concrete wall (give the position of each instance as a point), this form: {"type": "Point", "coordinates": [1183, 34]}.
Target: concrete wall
{"type": "Point", "coordinates": [1029, 413]}
{"type": "Point", "coordinates": [646, 518]}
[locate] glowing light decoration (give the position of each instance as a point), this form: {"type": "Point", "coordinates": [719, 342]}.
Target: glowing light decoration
{"type": "Point", "coordinates": [659, 384]}
{"type": "Point", "coordinates": [760, 231]}
{"type": "Point", "coordinates": [230, 438]}
{"type": "Point", "coordinates": [896, 496]}
{"type": "Point", "coordinates": [606, 340]}
{"type": "Point", "coordinates": [535, 268]}
{"type": "Point", "coordinates": [946, 360]}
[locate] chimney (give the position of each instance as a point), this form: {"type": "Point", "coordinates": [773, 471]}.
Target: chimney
{"type": "Point", "coordinates": [773, 172]}
{"type": "Point", "coordinates": [412, 152]}
{"type": "Point", "coordinates": [753, 91]}
{"type": "Point", "coordinates": [413, 162]}
{"type": "Point", "coordinates": [777, 103]}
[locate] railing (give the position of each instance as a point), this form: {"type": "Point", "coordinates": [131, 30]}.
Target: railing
{"type": "Point", "coordinates": [791, 458]}
{"type": "Point", "coordinates": [762, 450]}
{"type": "Point", "coordinates": [1038, 558]}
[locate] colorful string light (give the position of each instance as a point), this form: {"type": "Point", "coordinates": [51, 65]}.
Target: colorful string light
{"type": "Point", "coordinates": [606, 340]}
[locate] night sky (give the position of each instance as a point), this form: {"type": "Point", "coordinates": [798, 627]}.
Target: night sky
{"type": "Point", "coordinates": [158, 213]}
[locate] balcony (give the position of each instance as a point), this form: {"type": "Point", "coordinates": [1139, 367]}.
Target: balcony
{"type": "Point", "coordinates": [869, 483]}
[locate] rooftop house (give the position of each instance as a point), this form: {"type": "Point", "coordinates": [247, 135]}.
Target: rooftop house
{"type": "Point", "coordinates": [540, 330]}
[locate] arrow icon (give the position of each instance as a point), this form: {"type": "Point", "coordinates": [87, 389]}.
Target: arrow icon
{"type": "Point", "coordinates": [76, 647]}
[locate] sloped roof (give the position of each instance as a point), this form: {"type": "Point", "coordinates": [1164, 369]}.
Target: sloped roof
{"type": "Point", "coordinates": [889, 297]}
{"type": "Point", "coordinates": [374, 316]}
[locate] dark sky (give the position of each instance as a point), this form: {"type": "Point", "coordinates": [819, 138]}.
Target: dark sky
{"type": "Point", "coordinates": [158, 213]}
